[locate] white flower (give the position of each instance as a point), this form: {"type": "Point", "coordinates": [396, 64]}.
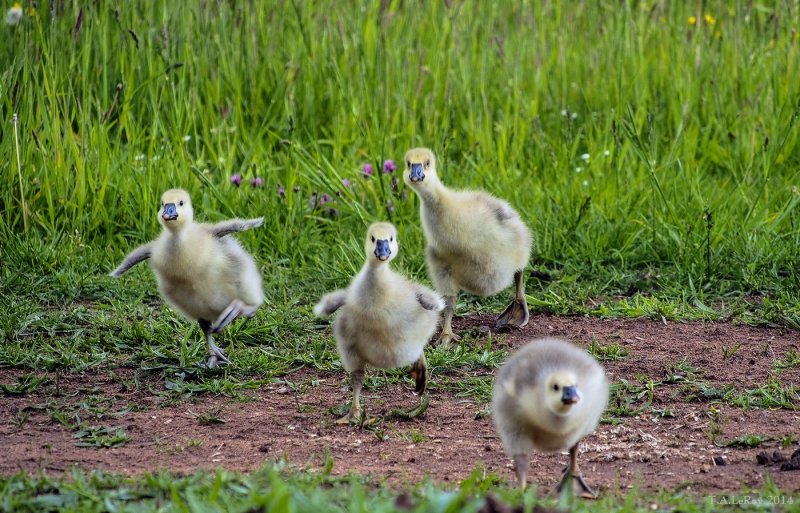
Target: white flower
{"type": "Point", "coordinates": [574, 115]}
{"type": "Point", "coordinates": [578, 169]}
{"type": "Point", "coordinates": [14, 15]}
{"type": "Point", "coordinates": [585, 157]}
{"type": "Point", "coordinates": [565, 113]}
{"type": "Point", "coordinates": [187, 138]}
{"type": "Point", "coordinates": [606, 153]}
{"type": "Point", "coordinates": [586, 183]}
{"type": "Point", "coordinates": [139, 157]}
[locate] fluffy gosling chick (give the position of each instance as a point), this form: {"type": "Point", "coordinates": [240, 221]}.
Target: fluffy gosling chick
{"type": "Point", "coordinates": [548, 396]}
{"type": "Point", "coordinates": [384, 319]}
{"type": "Point", "coordinates": [475, 242]}
{"type": "Point", "coordinates": [202, 273]}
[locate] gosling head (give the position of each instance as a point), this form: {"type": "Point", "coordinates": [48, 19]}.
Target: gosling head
{"type": "Point", "coordinates": [176, 209]}
{"type": "Point", "coordinates": [381, 244]}
{"type": "Point", "coordinates": [561, 392]}
{"type": "Point", "coordinates": [420, 172]}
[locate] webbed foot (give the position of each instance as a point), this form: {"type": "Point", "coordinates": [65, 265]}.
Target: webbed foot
{"type": "Point", "coordinates": [516, 314]}
{"type": "Point", "coordinates": [577, 485]}
{"type": "Point", "coordinates": [354, 416]}
{"type": "Point", "coordinates": [446, 339]}
{"type": "Point", "coordinates": [216, 357]}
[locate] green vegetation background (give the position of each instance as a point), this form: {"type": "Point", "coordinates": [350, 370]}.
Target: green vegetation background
{"type": "Point", "coordinates": [688, 192]}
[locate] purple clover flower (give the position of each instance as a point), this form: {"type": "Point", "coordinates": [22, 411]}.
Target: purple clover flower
{"type": "Point", "coordinates": [281, 191]}
{"type": "Point", "coordinates": [367, 170]}
{"type": "Point", "coordinates": [236, 180]}
{"type": "Point", "coordinates": [256, 182]}
{"type": "Point", "coordinates": [389, 166]}
{"type": "Point", "coordinates": [296, 189]}
{"type": "Point", "coordinates": [346, 182]}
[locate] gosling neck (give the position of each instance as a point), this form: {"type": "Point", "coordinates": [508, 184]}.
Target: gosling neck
{"type": "Point", "coordinates": [177, 231]}
{"type": "Point", "coordinates": [375, 268]}
{"type": "Point", "coordinates": [373, 280]}
{"type": "Point", "coordinates": [431, 194]}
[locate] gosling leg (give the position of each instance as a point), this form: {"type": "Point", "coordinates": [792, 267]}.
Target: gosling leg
{"type": "Point", "coordinates": [419, 372]}
{"type": "Point", "coordinates": [521, 466]}
{"type": "Point", "coordinates": [354, 415]}
{"type": "Point", "coordinates": [516, 314]}
{"type": "Point", "coordinates": [573, 474]}
{"type": "Point", "coordinates": [448, 337]}
{"type": "Point", "coordinates": [215, 353]}
{"type": "Point", "coordinates": [234, 310]}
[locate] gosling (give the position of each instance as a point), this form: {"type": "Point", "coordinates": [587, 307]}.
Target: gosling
{"type": "Point", "coordinates": [385, 320]}
{"type": "Point", "coordinates": [548, 396]}
{"type": "Point", "coordinates": [475, 242]}
{"type": "Point", "coordinates": [201, 272]}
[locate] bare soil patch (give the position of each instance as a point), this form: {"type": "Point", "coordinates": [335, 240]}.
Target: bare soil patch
{"type": "Point", "coordinates": [283, 422]}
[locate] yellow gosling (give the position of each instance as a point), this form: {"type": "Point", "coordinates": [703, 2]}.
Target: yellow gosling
{"type": "Point", "coordinates": [548, 396]}
{"type": "Point", "coordinates": [384, 319]}
{"type": "Point", "coordinates": [201, 272]}
{"type": "Point", "coordinates": [475, 242]}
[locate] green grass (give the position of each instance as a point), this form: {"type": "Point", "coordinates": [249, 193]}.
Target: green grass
{"type": "Point", "coordinates": [282, 488]}
{"type": "Point", "coordinates": [101, 436]}
{"type": "Point", "coordinates": [792, 359]}
{"type": "Point", "coordinates": [656, 161]}
{"type": "Point", "coordinates": [609, 352]}
{"type": "Point", "coordinates": [773, 394]}
{"type": "Point", "coordinates": [744, 441]}
{"type": "Point", "coordinates": [694, 206]}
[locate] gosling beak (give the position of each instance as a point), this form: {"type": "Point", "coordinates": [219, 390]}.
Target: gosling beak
{"type": "Point", "coordinates": [170, 213]}
{"type": "Point", "coordinates": [416, 174]}
{"type": "Point", "coordinates": [382, 250]}
{"type": "Point", "coordinates": [569, 395]}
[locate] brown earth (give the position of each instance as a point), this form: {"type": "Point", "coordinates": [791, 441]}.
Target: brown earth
{"type": "Point", "coordinates": [290, 419]}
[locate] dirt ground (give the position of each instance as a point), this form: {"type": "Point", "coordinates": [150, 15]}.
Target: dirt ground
{"type": "Point", "coordinates": [649, 451]}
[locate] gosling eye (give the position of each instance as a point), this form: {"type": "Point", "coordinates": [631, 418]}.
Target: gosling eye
{"type": "Point", "coordinates": [180, 203]}
{"type": "Point", "coordinates": [391, 239]}
{"type": "Point", "coordinates": [162, 203]}
{"type": "Point", "coordinates": [427, 164]}
{"type": "Point", "coordinates": [373, 238]}
{"type": "Point", "coordinates": [555, 387]}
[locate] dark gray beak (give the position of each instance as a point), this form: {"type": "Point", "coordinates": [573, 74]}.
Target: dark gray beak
{"type": "Point", "coordinates": [382, 250]}
{"type": "Point", "coordinates": [416, 174]}
{"type": "Point", "coordinates": [569, 395]}
{"type": "Point", "coordinates": [170, 213]}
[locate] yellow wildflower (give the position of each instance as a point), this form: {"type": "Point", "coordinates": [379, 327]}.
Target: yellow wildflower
{"type": "Point", "coordinates": [692, 20]}
{"type": "Point", "coordinates": [14, 14]}
{"type": "Point", "coordinates": [710, 20]}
